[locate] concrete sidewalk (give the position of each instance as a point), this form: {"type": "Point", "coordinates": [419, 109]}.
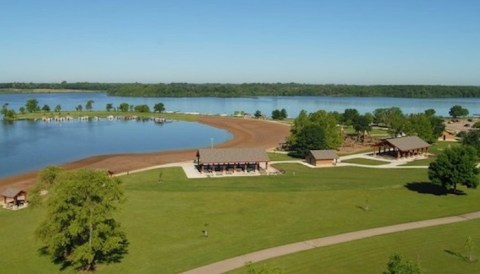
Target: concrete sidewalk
{"type": "Point", "coordinates": [240, 261]}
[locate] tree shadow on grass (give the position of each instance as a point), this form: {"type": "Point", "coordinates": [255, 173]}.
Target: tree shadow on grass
{"type": "Point", "coordinates": [43, 251]}
{"type": "Point", "coordinates": [114, 256]}
{"type": "Point", "coordinates": [461, 256]}
{"type": "Point", "coordinates": [429, 188]}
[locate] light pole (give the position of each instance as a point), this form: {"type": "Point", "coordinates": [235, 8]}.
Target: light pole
{"type": "Point", "coordinates": [211, 142]}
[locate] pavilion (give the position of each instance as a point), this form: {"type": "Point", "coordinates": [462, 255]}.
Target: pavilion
{"type": "Point", "coordinates": [401, 147]}
{"type": "Point", "coordinates": [14, 198]}
{"type": "Point", "coordinates": [232, 160]}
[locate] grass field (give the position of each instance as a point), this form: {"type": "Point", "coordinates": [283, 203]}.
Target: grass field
{"type": "Point", "coordinates": [436, 249]}
{"type": "Point", "coordinates": [363, 161]}
{"type": "Point", "coordinates": [164, 219]}
{"type": "Point", "coordinates": [273, 156]}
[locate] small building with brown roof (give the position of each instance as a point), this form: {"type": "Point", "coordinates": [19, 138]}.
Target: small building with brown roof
{"type": "Point", "coordinates": [14, 198]}
{"type": "Point", "coordinates": [232, 160]}
{"type": "Point", "coordinates": [327, 157]}
{"type": "Point", "coordinates": [401, 147]}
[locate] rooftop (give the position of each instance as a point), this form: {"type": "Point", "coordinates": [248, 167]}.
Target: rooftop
{"type": "Point", "coordinates": [232, 155]}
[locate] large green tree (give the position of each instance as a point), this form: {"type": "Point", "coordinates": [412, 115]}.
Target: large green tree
{"type": "Point", "coordinates": [472, 138]}
{"type": "Point", "coordinates": [456, 165]}
{"type": "Point", "coordinates": [159, 107]}
{"type": "Point", "coordinates": [458, 111]}
{"type": "Point", "coordinates": [349, 115]}
{"type": "Point", "coordinates": [321, 125]}
{"type": "Point", "coordinates": [80, 229]}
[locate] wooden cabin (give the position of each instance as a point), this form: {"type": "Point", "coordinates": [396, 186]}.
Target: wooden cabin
{"type": "Point", "coordinates": [326, 157]}
{"type": "Point", "coordinates": [14, 198]}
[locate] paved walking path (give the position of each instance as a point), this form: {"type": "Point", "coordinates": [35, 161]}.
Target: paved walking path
{"type": "Point", "coordinates": [240, 261]}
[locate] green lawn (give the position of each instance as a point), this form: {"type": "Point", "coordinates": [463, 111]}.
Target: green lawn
{"type": "Point", "coordinates": [164, 220]}
{"type": "Point", "coordinates": [436, 249]}
{"type": "Point", "coordinates": [363, 161]}
{"type": "Point", "coordinates": [281, 157]}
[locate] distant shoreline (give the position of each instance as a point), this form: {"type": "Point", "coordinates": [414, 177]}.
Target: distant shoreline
{"type": "Point", "coordinates": [47, 90]}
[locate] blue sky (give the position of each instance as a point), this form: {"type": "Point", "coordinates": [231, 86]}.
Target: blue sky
{"type": "Point", "coordinates": [236, 41]}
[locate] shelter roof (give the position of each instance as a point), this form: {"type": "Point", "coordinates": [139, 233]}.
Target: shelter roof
{"type": "Point", "coordinates": [11, 192]}
{"type": "Point", "coordinates": [232, 155]}
{"type": "Point", "coordinates": [324, 154]}
{"type": "Point", "coordinates": [407, 143]}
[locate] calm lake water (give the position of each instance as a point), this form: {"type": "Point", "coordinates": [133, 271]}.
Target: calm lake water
{"type": "Point", "coordinates": [214, 105]}
{"type": "Point", "coordinates": [30, 145]}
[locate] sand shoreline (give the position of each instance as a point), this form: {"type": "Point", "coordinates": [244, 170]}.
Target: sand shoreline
{"type": "Point", "coordinates": [246, 133]}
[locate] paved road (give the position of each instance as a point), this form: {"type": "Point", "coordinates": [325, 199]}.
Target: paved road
{"type": "Point", "coordinates": [240, 261]}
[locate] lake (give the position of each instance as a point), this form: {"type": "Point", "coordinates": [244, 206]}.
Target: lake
{"type": "Point", "coordinates": [266, 104]}
{"type": "Point", "coordinates": [30, 145]}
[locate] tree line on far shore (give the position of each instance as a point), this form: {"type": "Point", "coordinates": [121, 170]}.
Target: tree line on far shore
{"type": "Point", "coordinates": [258, 89]}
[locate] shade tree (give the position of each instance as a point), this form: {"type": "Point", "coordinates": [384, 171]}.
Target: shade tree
{"type": "Point", "coordinates": [455, 165]}
{"type": "Point", "coordinates": [80, 228]}
{"type": "Point", "coordinates": [458, 111]}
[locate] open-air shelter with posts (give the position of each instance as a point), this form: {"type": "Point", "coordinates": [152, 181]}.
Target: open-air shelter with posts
{"type": "Point", "coordinates": [232, 160]}
{"type": "Point", "coordinates": [401, 147]}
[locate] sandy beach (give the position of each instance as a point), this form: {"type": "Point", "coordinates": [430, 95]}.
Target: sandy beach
{"type": "Point", "coordinates": [246, 133]}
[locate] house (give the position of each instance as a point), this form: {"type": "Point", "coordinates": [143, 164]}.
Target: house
{"type": "Point", "coordinates": [401, 147]}
{"type": "Point", "coordinates": [327, 157]}
{"type": "Point", "coordinates": [232, 160]}
{"type": "Point", "coordinates": [14, 198]}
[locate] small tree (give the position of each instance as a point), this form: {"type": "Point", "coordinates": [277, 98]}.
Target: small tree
{"type": "Point", "coordinates": [159, 107]}
{"type": "Point", "coordinates": [258, 114]}
{"type": "Point", "coordinates": [123, 107]}
{"type": "Point", "coordinates": [142, 108]}
{"type": "Point", "coordinates": [279, 114]}
{"type": "Point", "coordinates": [458, 111]}
{"type": "Point", "coordinates": [32, 105]}
{"type": "Point", "coordinates": [8, 114]}
{"type": "Point", "coordinates": [456, 165]}
{"type": "Point", "coordinates": [80, 229]}
{"type": "Point", "coordinates": [58, 108]}
{"type": "Point", "coordinates": [361, 125]}
{"type": "Point", "coordinates": [283, 113]}
{"type": "Point", "coordinates": [22, 110]}
{"type": "Point", "coordinates": [79, 108]}
{"type": "Point", "coordinates": [399, 265]}
{"type": "Point", "coordinates": [109, 106]}
{"type": "Point", "coordinates": [46, 108]}
{"type": "Point", "coordinates": [89, 105]}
